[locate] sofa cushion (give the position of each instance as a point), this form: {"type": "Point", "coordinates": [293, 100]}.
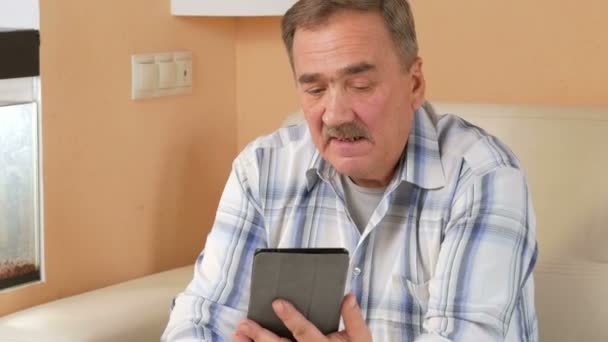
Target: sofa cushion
{"type": "Point", "coordinates": [137, 310]}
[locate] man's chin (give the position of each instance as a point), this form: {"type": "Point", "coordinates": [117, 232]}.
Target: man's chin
{"type": "Point", "coordinates": [349, 166]}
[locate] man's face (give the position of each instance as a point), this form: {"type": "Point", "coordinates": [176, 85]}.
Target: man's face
{"type": "Point", "coordinates": [357, 97]}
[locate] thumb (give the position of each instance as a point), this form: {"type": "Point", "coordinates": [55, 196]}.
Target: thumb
{"type": "Point", "coordinates": [354, 324]}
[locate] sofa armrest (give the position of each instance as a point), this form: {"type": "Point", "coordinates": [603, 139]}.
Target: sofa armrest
{"type": "Point", "coordinates": [137, 310]}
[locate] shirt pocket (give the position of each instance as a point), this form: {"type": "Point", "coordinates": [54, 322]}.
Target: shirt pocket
{"type": "Point", "coordinates": [403, 303]}
{"type": "Point", "coordinates": [420, 292]}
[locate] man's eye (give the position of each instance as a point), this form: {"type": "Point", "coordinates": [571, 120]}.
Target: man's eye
{"type": "Point", "coordinates": [315, 91]}
{"type": "Point", "coordinates": [361, 87]}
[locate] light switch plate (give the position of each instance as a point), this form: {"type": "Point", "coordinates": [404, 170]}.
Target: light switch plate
{"type": "Point", "coordinates": [161, 74]}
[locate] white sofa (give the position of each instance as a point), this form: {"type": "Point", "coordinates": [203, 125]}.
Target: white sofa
{"type": "Point", "coordinates": [563, 153]}
{"type": "Point", "coordinates": [133, 311]}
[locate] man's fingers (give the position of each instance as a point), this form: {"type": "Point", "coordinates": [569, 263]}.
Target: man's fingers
{"type": "Point", "coordinates": [299, 326]}
{"type": "Point", "coordinates": [354, 324]}
{"type": "Point", "coordinates": [236, 337]}
{"type": "Point", "coordinates": [247, 330]}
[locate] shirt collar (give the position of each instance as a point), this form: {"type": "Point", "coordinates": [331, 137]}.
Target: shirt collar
{"type": "Point", "coordinates": [423, 166]}
{"type": "Point", "coordinates": [420, 164]}
{"type": "Point", "coordinates": [318, 169]}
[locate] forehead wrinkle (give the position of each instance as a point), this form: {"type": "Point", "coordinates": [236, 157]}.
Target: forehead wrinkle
{"type": "Point", "coordinates": [350, 44]}
{"type": "Point", "coordinates": [357, 65]}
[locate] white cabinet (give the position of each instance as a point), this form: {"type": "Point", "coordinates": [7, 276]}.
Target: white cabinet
{"type": "Point", "coordinates": [230, 8]}
{"type": "Point", "coordinates": [20, 14]}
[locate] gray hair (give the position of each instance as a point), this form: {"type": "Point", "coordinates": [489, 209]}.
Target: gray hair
{"type": "Point", "coordinates": [397, 16]}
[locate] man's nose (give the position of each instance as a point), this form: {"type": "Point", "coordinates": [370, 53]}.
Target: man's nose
{"type": "Point", "coordinates": [337, 109]}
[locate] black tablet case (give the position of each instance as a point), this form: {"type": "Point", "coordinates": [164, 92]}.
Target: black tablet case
{"type": "Point", "coordinates": [311, 279]}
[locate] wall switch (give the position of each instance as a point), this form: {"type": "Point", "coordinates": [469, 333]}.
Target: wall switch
{"type": "Point", "coordinates": [146, 76]}
{"type": "Point", "coordinates": [166, 75]}
{"type": "Point", "coordinates": [161, 74]}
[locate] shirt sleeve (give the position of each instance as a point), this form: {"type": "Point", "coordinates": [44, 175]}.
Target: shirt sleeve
{"type": "Point", "coordinates": [487, 256]}
{"type": "Point", "coordinates": [217, 297]}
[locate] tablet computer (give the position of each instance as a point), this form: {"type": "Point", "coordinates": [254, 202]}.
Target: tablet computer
{"type": "Point", "coordinates": [312, 279]}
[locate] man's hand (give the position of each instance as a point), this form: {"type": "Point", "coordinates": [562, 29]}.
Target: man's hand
{"type": "Point", "coordinates": [355, 328]}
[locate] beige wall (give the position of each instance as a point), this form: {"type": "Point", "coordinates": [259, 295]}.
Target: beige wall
{"type": "Point", "coordinates": [539, 52]}
{"type": "Point", "coordinates": [265, 89]}
{"type": "Point", "coordinates": [131, 187]}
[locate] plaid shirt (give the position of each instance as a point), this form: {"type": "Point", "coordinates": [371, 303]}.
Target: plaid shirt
{"type": "Point", "coordinates": [447, 255]}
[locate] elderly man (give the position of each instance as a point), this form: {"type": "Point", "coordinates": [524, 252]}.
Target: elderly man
{"type": "Point", "coordinates": [435, 212]}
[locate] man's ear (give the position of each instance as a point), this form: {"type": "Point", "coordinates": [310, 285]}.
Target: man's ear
{"type": "Point", "coordinates": [418, 88]}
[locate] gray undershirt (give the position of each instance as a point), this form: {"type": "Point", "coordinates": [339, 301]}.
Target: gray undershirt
{"type": "Point", "coordinates": [360, 201]}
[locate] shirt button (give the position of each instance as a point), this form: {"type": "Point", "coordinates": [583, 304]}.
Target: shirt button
{"type": "Point", "coordinates": [356, 271]}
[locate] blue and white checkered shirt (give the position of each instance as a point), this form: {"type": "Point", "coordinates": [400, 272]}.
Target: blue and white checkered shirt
{"type": "Point", "coordinates": [447, 255]}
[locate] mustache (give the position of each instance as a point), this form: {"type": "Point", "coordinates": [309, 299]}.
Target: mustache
{"type": "Point", "coordinates": [345, 131]}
